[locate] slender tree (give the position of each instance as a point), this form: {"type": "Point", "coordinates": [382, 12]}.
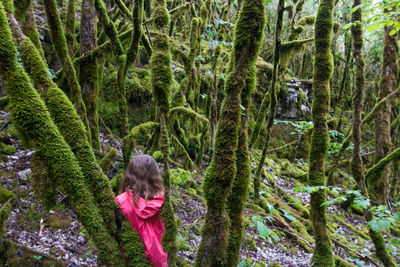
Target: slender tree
{"type": "Point", "coordinates": [220, 173]}
{"type": "Point", "coordinates": [273, 103]}
{"type": "Point", "coordinates": [88, 76]}
{"type": "Point", "coordinates": [323, 68]}
{"type": "Point", "coordinates": [60, 46]}
{"type": "Point", "coordinates": [161, 77]}
{"type": "Point", "coordinates": [378, 187]}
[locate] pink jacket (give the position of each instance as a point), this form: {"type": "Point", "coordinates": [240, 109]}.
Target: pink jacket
{"type": "Point", "coordinates": [145, 218]}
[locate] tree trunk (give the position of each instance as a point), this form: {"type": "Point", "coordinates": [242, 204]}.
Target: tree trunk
{"type": "Point", "coordinates": [60, 47]}
{"type": "Point", "coordinates": [220, 173]}
{"type": "Point", "coordinates": [378, 187]}
{"type": "Point", "coordinates": [161, 77]}
{"type": "Point", "coordinates": [273, 97]}
{"type": "Point", "coordinates": [323, 68]}
{"type": "Point", "coordinates": [88, 75]}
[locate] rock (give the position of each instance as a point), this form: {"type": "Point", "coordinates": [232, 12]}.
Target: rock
{"type": "Point", "coordinates": [23, 175]}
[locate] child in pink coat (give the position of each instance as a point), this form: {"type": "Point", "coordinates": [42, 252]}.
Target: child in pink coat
{"type": "Point", "coordinates": [141, 202]}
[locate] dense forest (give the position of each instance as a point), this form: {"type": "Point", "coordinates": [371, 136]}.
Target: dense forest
{"type": "Point", "coordinates": [274, 122]}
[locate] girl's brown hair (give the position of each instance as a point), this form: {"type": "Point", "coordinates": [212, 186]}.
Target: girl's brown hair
{"type": "Point", "coordinates": [142, 176]}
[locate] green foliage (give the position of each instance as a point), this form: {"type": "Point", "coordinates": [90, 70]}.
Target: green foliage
{"type": "Point", "coordinates": [375, 17]}
{"type": "Point", "coordinates": [383, 218]}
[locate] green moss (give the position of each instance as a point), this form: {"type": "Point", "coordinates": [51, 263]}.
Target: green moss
{"type": "Point", "coordinates": [5, 195]}
{"type": "Point", "coordinates": [161, 72]}
{"type": "Point", "coordinates": [307, 20]}
{"type": "Point", "coordinates": [339, 262]}
{"type": "Point", "coordinates": [58, 221]}
{"type": "Point", "coordinates": [60, 46]}
{"type": "Point", "coordinates": [129, 141]}
{"type": "Point", "coordinates": [133, 246]}
{"type": "Point", "coordinates": [107, 160]}
{"type": "Point", "coordinates": [179, 176]}
{"type": "Point", "coordinates": [8, 150]}
{"type": "Point", "coordinates": [116, 181]}
{"type": "Point", "coordinates": [42, 184]}
{"type": "Point", "coordinates": [4, 102]}
{"type": "Point", "coordinates": [239, 191]}
{"type": "Point", "coordinates": [158, 156]}
{"type": "Point", "coordinates": [288, 49]}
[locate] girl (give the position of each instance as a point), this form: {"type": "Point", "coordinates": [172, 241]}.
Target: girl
{"type": "Point", "coordinates": [141, 201]}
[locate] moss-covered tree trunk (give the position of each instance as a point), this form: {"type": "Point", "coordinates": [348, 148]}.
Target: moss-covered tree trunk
{"type": "Point", "coordinates": [222, 170]}
{"type": "Point", "coordinates": [120, 54]}
{"type": "Point", "coordinates": [378, 186]}
{"type": "Point", "coordinates": [35, 126]}
{"type": "Point", "coordinates": [73, 131]}
{"type": "Point", "coordinates": [161, 77]}
{"type": "Point", "coordinates": [323, 68]}
{"type": "Point", "coordinates": [214, 95]}
{"type": "Point", "coordinates": [26, 18]}
{"type": "Point", "coordinates": [88, 76]}
{"type": "Point", "coordinates": [60, 46]}
{"type": "Point", "coordinates": [357, 167]}
{"type": "Point", "coordinates": [240, 186]}
{"type": "Point", "coordinates": [273, 99]}
{"type": "Point", "coordinates": [70, 27]}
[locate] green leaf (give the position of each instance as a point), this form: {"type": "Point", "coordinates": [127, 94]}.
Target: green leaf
{"type": "Point", "coordinates": [275, 237]}
{"type": "Point", "coordinates": [347, 26]}
{"type": "Point", "coordinates": [384, 224]}
{"type": "Point", "coordinates": [271, 208]}
{"type": "Point", "coordinates": [263, 231]}
{"type": "Point", "coordinates": [255, 218]}
{"type": "Point", "coordinates": [355, 8]}
{"type": "Point", "coordinates": [374, 226]}
{"type": "Point", "coordinates": [288, 215]}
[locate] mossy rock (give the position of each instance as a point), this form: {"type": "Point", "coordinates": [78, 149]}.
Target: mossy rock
{"type": "Point", "coordinates": [8, 150]}
{"type": "Point", "coordinates": [30, 218]}
{"type": "Point", "coordinates": [181, 177]}
{"type": "Point", "coordinates": [58, 221]}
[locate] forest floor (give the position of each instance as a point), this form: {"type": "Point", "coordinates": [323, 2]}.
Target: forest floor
{"type": "Point", "coordinates": [277, 228]}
